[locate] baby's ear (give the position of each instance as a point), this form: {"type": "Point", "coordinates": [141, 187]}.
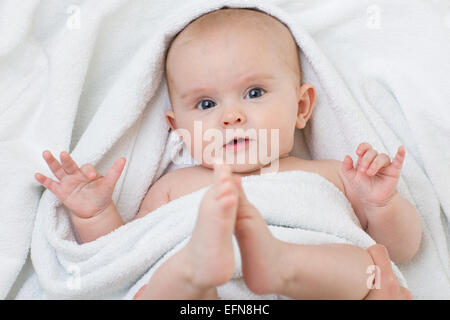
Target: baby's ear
{"type": "Point", "coordinates": [170, 118]}
{"type": "Point", "coordinates": [306, 102]}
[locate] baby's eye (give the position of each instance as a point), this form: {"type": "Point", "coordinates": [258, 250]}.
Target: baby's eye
{"type": "Point", "coordinates": [205, 104]}
{"type": "Point", "coordinates": [255, 93]}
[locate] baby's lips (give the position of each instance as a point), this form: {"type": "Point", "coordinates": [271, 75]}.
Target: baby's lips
{"type": "Point", "coordinates": [237, 139]}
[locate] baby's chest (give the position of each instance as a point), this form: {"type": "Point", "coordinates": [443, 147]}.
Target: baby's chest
{"type": "Point", "coordinates": [327, 169]}
{"type": "Point", "coordinates": [188, 184]}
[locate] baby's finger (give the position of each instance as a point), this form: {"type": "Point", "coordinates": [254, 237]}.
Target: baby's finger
{"type": "Point", "coordinates": [53, 164]}
{"type": "Point", "coordinates": [361, 151]}
{"type": "Point", "coordinates": [366, 160]}
{"type": "Point", "coordinates": [397, 163]}
{"type": "Point", "coordinates": [362, 148]}
{"type": "Point", "coordinates": [89, 171]}
{"type": "Point", "coordinates": [68, 164]}
{"type": "Point", "coordinates": [51, 185]}
{"type": "Point", "coordinates": [382, 160]}
{"type": "Point", "coordinates": [115, 171]}
{"type": "Point", "coordinates": [347, 167]}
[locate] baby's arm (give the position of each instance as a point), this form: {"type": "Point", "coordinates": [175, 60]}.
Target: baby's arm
{"type": "Point", "coordinates": [90, 229]}
{"type": "Point", "coordinates": [396, 226]}
{"type": "Point", "coordinates": [387, 217]}
{"type": "Point", "coordinates": [157, 195]}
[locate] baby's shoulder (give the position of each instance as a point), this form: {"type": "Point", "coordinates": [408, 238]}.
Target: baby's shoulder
{"type": "Point", "coordinates": [329, 169]}
{"type": "Point", "coordinates": [186, 180]}
{"type": "Point", "coordinates": [196, 172]}
{"type": "Point", "coordinates": [170, 186]}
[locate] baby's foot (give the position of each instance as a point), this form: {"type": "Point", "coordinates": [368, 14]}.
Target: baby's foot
{"type": "Point", "coordinates": [260, 251]}
{"type": "Point", "coordinates": [210, 248]}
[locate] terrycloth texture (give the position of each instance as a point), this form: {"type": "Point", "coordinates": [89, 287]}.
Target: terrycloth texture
{"type": "Point", "coordinates": [300, 207]}
{"type": "Point", "coordinates": [87, 76]}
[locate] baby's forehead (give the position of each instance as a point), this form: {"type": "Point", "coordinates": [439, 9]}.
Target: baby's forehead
{"type": "Point", "coordinates": [234, 25]}
{"type": "Point", "coordinates": [236, 18]}
{"type": "Point", "coordinates": [242, 23]}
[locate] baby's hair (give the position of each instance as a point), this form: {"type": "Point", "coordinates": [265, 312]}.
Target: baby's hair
{"type": "Point", "coordinates": [296, 69]}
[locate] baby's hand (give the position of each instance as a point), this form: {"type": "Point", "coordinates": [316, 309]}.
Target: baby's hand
{"type": "Point", "coordinates": [374, 179]}
{"type": "Point", "coordinates": [85, 192]}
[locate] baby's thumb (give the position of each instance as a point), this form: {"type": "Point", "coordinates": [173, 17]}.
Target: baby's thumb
{"type": "Point", "coordinates": [347, 167]}
{"type": "Point", "coordinates": [115, 171]}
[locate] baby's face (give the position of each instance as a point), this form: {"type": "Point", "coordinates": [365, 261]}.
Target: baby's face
{"type": "Point", "coordinates": [233, 83]}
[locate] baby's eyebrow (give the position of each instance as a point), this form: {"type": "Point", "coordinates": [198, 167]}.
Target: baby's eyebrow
{"type": "Point", "coordinates": [253, 76]}
{"type": "Point", "coordinates": [242, 79]}
{"type": "Point", "coordinates": [193, 92]}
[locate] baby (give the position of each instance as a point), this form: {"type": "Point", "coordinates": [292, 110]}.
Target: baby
{"type": "Point", "coordinates": [237, 69]}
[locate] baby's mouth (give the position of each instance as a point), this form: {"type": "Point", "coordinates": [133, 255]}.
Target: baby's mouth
{"type": "Point", "coordinates": [237, 143]}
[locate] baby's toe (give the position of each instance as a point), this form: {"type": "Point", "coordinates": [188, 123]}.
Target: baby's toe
{"type": "Point", "coordinates": [225, 189]}
{"type": "Point", "coordinates": [221, 172]}
{"type": "Point", "coordinates": [228, 201]}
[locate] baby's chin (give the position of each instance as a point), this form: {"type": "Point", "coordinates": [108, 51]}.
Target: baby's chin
{"type": "Point", "coordinates": [242, 168]}
{"type": "Point", "coordinates": [246, 168]}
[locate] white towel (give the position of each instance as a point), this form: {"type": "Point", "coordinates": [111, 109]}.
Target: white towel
{"type": "Point", "coordinates": [300, 207]}
{"type": "Point", "coordinates": [88, 78]}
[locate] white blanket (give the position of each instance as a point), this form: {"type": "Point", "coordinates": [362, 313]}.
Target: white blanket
{"type": "Point", "coordinates": [87, 77]}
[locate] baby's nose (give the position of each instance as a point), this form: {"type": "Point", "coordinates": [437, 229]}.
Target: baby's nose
{"type": "Point", "coordinates": [233, 117]}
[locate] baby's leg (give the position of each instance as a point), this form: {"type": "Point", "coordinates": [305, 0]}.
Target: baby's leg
{"type": "Point", "coordinates": [207, 260]}
{"type": "Point", "coordinates": [330, 271]}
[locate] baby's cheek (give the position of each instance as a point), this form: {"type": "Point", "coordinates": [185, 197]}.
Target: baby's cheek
{"type": "Point", "coordinates": [286, 136]}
